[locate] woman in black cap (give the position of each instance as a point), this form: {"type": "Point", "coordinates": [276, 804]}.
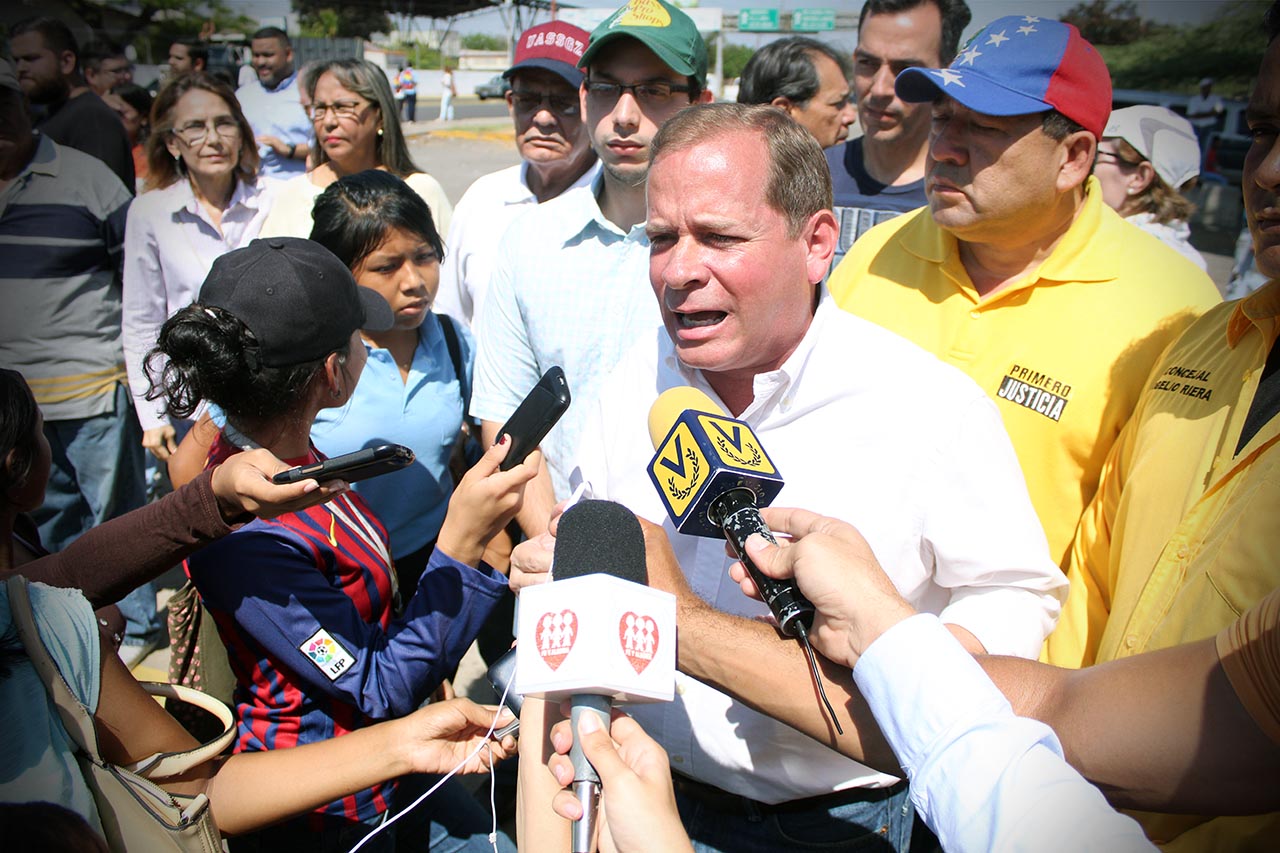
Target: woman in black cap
{"type": "Point", "coordinates": [304, 602]}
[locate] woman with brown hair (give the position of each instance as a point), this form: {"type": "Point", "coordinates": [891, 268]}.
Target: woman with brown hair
{"type": "Point", "coordinates": [203, 199]}
{"type": "Point", "coordinates": [357, 127]}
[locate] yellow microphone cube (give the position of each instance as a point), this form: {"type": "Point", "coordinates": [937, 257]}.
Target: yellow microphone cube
{"type": "Point", "coordinates": [703, 456]}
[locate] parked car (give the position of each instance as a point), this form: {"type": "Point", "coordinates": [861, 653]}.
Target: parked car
{"type": "Point", "coordinates": [496, 87]}
{"type": "Point", "coordinates": [1228, 146]}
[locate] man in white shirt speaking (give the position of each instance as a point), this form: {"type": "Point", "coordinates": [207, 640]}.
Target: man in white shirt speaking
{"type": "Point", "coordinates": [860, 423]}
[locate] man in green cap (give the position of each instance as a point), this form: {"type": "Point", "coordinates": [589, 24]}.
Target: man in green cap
{"type": "Point", "coordinates": [570, 282]}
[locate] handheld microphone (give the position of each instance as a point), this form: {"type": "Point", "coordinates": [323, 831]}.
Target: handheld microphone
{"type": "Point", "coordinates": [713, 475]}
{"type": "Point", "coordinates": [596, 633]}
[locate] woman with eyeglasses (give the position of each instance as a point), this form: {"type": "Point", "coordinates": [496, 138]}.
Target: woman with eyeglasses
{"type": "Point", "coordinates": [357, 127]}
{"type": "Point", "coordinates": [1147, 157]}
{"type": "Point", "coordinates": [203, 199]}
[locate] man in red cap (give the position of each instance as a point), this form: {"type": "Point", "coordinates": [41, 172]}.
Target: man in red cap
{"type": "Point", "coordinates": [1017, 272]}
{"type": "Point", "coordinates": [555, 150]}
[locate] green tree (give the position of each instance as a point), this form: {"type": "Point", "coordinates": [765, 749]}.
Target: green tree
{"type": "Point", "coordinates": [1174, 59]}
{"type": "Point", "coordinates": [334, 19]}
{"type": "Point", "coordinates": [1103, 22]}
{"type": "Point", "coordinates": [483, 41]}
{"type": "Point", "coordinates": [735, 59]}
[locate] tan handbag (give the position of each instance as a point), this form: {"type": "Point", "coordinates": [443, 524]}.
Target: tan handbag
{"type": "Point", "coordinates": [136, 813]}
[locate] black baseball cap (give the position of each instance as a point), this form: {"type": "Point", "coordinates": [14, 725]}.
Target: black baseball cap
{"type": "Point", "coordinates": [296, 297]}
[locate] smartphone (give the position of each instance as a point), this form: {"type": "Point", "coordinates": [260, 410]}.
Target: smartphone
{"type": "Point", "coordinates": [352, 467]}
{"type": "Point", "coordinates": [535, 416]}
{"type": "Point", "coordinates": [501, 677]}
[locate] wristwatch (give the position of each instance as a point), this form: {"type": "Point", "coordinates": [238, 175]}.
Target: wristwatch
{"type": "Point", "coordinates": [292, 148]}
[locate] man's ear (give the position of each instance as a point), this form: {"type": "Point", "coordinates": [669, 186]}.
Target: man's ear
{"type": "Point", "coordinates": [820, 234]}
{"type": "Point", "coordinates": [66, 63]}
{"type": "Point", "coordinates": [1078, 151]}
{"type": "Point", "coordinates": [706, 96]}
{"type": "Point", "coordinates": [783, 103]}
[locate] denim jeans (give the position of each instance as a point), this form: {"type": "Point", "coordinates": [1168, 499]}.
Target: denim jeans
{"type": "Point", "coordinates": [97, 474]}
{"type": "Point", "coordinates": [875, 826]}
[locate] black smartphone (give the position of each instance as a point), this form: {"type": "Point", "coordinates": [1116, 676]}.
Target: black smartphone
{"type": "Point", "coordinates": [352, 467]}
{"type": "Point", "coordinates": [535, 416]}
{"type": "Point", "coordinates": [501, 677]}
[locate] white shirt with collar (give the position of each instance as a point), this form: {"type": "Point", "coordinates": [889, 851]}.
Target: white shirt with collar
{"type": "Point", "coordinates": [277, 112]}
{"type": "Point", "coordinates": [568, 288]}
{"type": "Point", "coordinates": [868, 428]}
{"type": "Point", "coordinates": [481, 218]}
{"type": "Point", "coordinates": [169, 245]}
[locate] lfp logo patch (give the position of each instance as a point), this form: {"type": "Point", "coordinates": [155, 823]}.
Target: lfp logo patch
{"type": "Point", "coordinates": [327, 654]}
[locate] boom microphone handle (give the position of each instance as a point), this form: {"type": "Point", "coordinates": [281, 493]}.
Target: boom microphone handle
{"type": "Point", "coordinates": [736, 513]}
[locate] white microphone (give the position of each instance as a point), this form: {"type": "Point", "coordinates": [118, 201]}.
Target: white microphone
{"type": "Point", "coordinates": [597, 634]}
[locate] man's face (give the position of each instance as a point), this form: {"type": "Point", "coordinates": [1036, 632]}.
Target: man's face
{"type": "Point", "coordinates": [1261, 175]}
{"type": "Point", "coordinates": [621, 128]}
{"type": "Point", "coordinates": [112, 71]}
{"type": "Point", "coordinates": [548, 117]}
{"type": "Point", "coordinates": [272, 60]}
{"type": "Point", "coordinates": [888, 44]}
{"type": "Point", "coordinates": [990, 177]}
{"type": "Point", "coordinates": [828, 114]}
{"type": "Point", "coordinates": [735, 291]}
{"type": "Point", "coordinates": [180, 61]}
{"type": "Point", "coordinates": [42, 73]}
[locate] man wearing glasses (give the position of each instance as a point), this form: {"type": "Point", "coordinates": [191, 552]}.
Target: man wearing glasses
{"type": "Point", "coordinates": [272, 105]}
{"type": "Point", "coordinates": [556, 156]}
{"type": "Point", "coordinates": [570, 282]}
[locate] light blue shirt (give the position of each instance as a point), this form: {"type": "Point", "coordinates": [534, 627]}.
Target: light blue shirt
{"type": "Point", "coordinates": [424, 414]}
{"type": "Point", "coordinates": [981, 777]}
{"type": "Point", "coordinates": [277, 112]}
{"type": "Point", "coordinates": [568, 288]}
{"type": "Point", "coordinates": [37, 756]}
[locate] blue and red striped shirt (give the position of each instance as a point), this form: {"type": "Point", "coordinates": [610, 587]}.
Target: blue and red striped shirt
{"type": "Point", "coordinates": [304, 605]}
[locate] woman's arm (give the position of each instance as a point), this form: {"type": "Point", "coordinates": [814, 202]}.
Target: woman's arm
{"type": "Point", "coordinates": [114, 558]}
{"type": "Point", "coordinates": [252, 790]}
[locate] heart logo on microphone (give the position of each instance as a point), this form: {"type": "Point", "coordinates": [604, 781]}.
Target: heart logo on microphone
{"type": "Point", "coordinates": [555, 635]}
{"type": "Point", "coordinates": [639, 638]}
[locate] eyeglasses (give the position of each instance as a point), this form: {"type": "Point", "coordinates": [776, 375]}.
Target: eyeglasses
{"type": "Point", "coordinates": [647, 94]}
{"type": "Point", "coordinates": [195, 132]}
{"type": "Point", "coordinates": [1114, 158]}
{"type": "Point", "coordinates": [529, 102]}
{"type": "Point", "coordinates": [341, 109]}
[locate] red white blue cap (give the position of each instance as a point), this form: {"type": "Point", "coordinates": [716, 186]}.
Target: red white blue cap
{"type": "Point", "coordinates": [1018, 65]}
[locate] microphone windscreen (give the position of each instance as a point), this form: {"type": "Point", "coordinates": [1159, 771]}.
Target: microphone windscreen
{"type": "Point", "coordinates": [671, 404]}
{"type": "Point", "coordinates": [600, 537]}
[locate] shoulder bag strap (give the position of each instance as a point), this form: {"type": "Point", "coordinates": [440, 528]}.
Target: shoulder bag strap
{"type": "Point", "coordinates": [76, 718]}
{"type": "Point", "coordinates": [459, 369]}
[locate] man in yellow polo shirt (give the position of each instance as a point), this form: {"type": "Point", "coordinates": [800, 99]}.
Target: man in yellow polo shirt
{"type": "Point", "coordinates": [1017, 272]}
{"type": "Point", "coordinates": [1183, 534]}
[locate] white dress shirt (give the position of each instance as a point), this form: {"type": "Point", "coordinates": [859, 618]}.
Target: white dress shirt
{"type": "Point", "coordinates": [866, 427]}
{"type": "Point", "coordinates": [981, 777]}
{"type": "Point", "coordinates": [482, 216]}
{"type": "Point", "coordinates": [169, 245]}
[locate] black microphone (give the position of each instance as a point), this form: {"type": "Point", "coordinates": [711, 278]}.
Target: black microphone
{"type": "Point", "coordinates": [595, 537]}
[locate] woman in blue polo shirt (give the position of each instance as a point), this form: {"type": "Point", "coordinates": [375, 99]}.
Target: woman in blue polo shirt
{"type": "Point", "coordinates": [411, 392]}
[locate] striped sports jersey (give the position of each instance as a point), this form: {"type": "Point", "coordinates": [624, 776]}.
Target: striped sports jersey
{"type": "Point", "coordinates": [304, 605]}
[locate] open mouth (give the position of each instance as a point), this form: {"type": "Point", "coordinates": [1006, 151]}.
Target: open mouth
{"type": "Point", "coordinates": [700, 319]}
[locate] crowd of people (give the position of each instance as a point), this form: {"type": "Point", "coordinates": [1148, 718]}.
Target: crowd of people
{"type": "Point", "coordinates": [1030, 452]}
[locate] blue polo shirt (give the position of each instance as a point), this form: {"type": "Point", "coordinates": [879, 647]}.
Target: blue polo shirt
{"type": "Point", "coordinates": [424, 414]}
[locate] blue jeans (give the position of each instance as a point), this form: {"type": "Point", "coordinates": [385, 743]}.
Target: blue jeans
{"type": "Point", "coordinates": [875, 825]}
{"type": "Point", "coordinates": [97, 474]}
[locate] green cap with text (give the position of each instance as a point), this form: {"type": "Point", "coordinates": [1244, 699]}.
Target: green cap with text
{"type": "Point", "coordinates": [659, 26]}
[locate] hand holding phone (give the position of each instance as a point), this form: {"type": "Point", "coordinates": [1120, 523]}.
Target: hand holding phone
{"type": "Point", "coordinates": [535, 416]}
{"type": "Point", "coordinates": [352, 467]}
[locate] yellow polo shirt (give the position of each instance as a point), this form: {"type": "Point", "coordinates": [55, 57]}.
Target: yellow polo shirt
{"type": "Point", "coordinates": [1183, 534]}
{"type": "Point", "coordinates": [1063, 352]}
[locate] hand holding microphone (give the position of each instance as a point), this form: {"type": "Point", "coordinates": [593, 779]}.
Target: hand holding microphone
{"type": "Point", "coordinates": [638, 807]}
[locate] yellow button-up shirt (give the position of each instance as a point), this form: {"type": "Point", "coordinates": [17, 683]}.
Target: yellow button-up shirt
{"type": "Point", "coordinates": [1183, 534]}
